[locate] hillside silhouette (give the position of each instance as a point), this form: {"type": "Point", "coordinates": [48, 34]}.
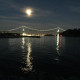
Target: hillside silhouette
{"type": "Point", "coordinates": [71, 32]}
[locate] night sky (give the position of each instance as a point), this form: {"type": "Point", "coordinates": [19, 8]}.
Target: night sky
{"type": "Point", "coordinates": [45, 14]}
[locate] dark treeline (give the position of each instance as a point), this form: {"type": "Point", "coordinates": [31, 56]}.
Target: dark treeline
{"type": "Point", "coordinates": [3, 34]}
{"type": "Point", "coordinates": [70, 32]}
{"type": "Point", "coordinates": [14, 35]}
{"type": "Point", "coordinates": [49, 35]}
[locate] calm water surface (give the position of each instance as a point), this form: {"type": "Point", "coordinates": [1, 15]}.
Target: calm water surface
{"type": "Point", "coordinates": [45, 58]}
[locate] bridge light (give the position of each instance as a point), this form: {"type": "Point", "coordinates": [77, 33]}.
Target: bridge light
{"type": "Point", "coordinates": [24, 34]}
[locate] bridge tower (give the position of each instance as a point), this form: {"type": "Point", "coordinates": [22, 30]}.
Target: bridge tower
{"type": "Point", "coordinates": [23, 32]}
{"type": "Point", "coordinates": [58, 31]}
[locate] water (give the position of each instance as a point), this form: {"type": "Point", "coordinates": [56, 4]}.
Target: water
{"type": "Point", "coordinates": [45, 58]}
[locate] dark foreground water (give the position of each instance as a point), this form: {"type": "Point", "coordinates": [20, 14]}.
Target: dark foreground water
{"type": "Point", "coordinates": [46, 58]}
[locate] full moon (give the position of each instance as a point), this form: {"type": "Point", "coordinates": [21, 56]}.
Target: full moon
{"type": "Point", "coordinates": [28, 12]}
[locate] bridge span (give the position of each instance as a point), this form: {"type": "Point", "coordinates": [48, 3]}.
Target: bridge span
{"type": "Point", "coordinates": [28, 31]}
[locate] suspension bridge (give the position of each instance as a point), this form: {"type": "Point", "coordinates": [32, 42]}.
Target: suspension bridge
{"type": "Point", "coordinates": [28, 31]}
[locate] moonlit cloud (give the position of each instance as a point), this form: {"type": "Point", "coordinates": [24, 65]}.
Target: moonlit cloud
{"type": "Point", "coordinates": [46, 14]}
{"type": "Point", "coordinates": [75, 9]}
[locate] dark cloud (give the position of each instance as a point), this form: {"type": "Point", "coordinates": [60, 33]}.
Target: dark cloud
{"type": "Point", "coordinates": [52, 13]}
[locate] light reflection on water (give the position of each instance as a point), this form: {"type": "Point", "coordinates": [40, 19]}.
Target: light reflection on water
{"type": "Point", "coordinates": [28, 57]}
{"type": "Point", "coordinates": [61, 56]}
{"type": "Point", "coordinates": [27, 45]}
{"type": "Point", "coordinates": [57, 48]}
{"type": "Point", "coordinates": [23, 43]}
{"type": "Point", "coordinates": [58, 45]}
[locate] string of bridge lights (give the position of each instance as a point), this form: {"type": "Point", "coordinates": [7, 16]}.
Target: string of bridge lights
{"type": "Point", "coordinates": [35, 29]}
